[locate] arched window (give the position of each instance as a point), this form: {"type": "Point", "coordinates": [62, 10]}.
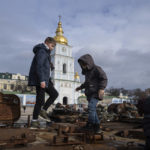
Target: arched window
{"type": "Point", "coordinates": [5, 86]}
{"type": "Point", "coordinates": [65, 100]}
{"type": "Point", "coordinates": [64, 68]}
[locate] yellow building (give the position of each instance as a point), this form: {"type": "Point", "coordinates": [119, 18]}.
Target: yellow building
{"type": "Point", "coordinates": [11, 82]}
{"type": "Point", "coordinates": [7, 85]}
{"type": "Point", "coordinates": [18, 76]}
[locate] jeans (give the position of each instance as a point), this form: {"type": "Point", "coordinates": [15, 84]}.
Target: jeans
{"type": "Point", "coordinates": [40, 98]}
{"type": "Point", "coordinates": [93, 117]}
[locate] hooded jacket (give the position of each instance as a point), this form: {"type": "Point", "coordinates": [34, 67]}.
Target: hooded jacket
{"type": "Point", "coordinates": [40, 67]}
{"type": "Point", "coordinates": [95, 77]}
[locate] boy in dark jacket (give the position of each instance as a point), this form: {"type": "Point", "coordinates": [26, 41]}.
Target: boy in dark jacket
{"type": "Point", "coordinates": [94, 85]}
{"type": "Point", "coordinates": [39, 76]}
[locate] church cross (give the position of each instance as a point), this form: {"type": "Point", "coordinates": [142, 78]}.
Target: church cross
{"type": "Point", "coordinates": [59, 17]}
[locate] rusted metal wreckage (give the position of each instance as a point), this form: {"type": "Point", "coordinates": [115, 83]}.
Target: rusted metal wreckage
{"type": "Point", "coordinates": [113, 112]}
{"type": "Point", "coordinates": [9, 113]}
{"type": "Point", "coordinates": [9, 108]}
{"type": "Point", "coordinates": [14, 137]}
{"type": "Point", "coordinates": [115, 135]}
{"type": "Point", "coordinates": [69, 134]}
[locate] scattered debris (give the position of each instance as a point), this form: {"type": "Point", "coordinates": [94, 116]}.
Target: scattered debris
{"type": "Point", "coordinates": [68, 135]}
{"type": "Point", "coordinates": [121, 127]}
{"type": "Point", "coordinates": [15, 137]}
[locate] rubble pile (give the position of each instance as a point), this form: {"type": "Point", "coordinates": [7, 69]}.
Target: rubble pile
{"type": "Point", "coordinates": [67, 129]}
{"type": "Point", "coordinates": [117, 112]}
{"type": "Point", "coordinates": [68, 113]}
{"type": "Point", "coordinates": [113, 112]}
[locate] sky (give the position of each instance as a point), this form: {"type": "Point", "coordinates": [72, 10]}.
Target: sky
{"type": "Point", "coordinates": [115, 32]}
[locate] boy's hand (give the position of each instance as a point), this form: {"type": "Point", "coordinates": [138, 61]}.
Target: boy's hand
{"type": "Point", "coordinates": [43, 85]}
{"type": "Point", "coordinates": [78, 88]}
{"type": "Point", "coordinates": [101, 94]}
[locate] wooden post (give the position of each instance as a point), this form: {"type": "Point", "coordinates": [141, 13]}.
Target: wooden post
{"type": "Point", "coordinates": [28, 122]}
{"type": "Point", "coordinates": [1, 97]}
{"type": "Point", "coordinates": [59, 130]}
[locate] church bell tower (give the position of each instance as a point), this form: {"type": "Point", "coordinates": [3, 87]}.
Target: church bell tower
{"type": "Point", "coordinates": [64, 75]}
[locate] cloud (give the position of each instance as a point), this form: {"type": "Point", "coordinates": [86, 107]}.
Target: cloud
{"type": "Point", "coordinates": [127, 69]}
{"type": "Point", "coordinates": [116, 33]}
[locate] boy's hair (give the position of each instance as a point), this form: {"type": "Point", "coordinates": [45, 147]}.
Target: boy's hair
{"type": "Point", "coordinates": [50, 40]}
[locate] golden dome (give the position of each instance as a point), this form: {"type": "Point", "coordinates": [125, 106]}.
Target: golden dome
{"type": "Point", "coordinates": [59, 38]}
{"type": "Point", "coordinates": [76, 76]}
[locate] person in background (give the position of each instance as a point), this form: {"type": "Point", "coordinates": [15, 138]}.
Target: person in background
{"type": "Point", "coordinates": [24, 103]}
{"type": "Point", "coordinates": [144, 108]}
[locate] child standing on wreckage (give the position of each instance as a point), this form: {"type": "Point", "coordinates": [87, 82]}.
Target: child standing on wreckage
{"type": "Point", "coordinates": [39, 76]}
{"type": "Point", "coordinates": [94, 85]}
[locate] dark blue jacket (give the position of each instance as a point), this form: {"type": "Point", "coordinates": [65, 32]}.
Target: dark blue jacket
{"type": "Point", "coordinates": [40, 67]}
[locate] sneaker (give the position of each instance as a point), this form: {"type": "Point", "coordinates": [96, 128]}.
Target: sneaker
{"type": "Point", "coordinates": [43, 115]}
{"type": "Point", "coordinates": [35, 125]}
{"type": "Point", "coordinates": [88, 127]}
{"type": "Point", "coordinates": [97, 128]}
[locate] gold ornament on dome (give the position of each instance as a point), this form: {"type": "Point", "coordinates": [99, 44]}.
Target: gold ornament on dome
{"type": "Point", "coordinates": [59, 38]}
{"type": "Point", "coordinates": [77, 76]}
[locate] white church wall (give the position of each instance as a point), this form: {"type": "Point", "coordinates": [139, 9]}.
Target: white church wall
{"type": "Point", "coordinates": [64, 82]}
{"type": "Point", "coordinates": [65, 50]}
{"type": "Point", "coordinates": [65, 89]}
{"type": "Point", "coordinates": [58, 63]}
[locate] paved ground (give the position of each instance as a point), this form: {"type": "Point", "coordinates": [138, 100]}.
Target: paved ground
{"type": "Point", "coordinates": [29, 111]}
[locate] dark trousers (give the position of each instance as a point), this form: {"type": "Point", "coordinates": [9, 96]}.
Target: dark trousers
{"type": "Point", "coordinates": [40, 98]}
{"type": "Point", "coordinates": [147, 144]}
